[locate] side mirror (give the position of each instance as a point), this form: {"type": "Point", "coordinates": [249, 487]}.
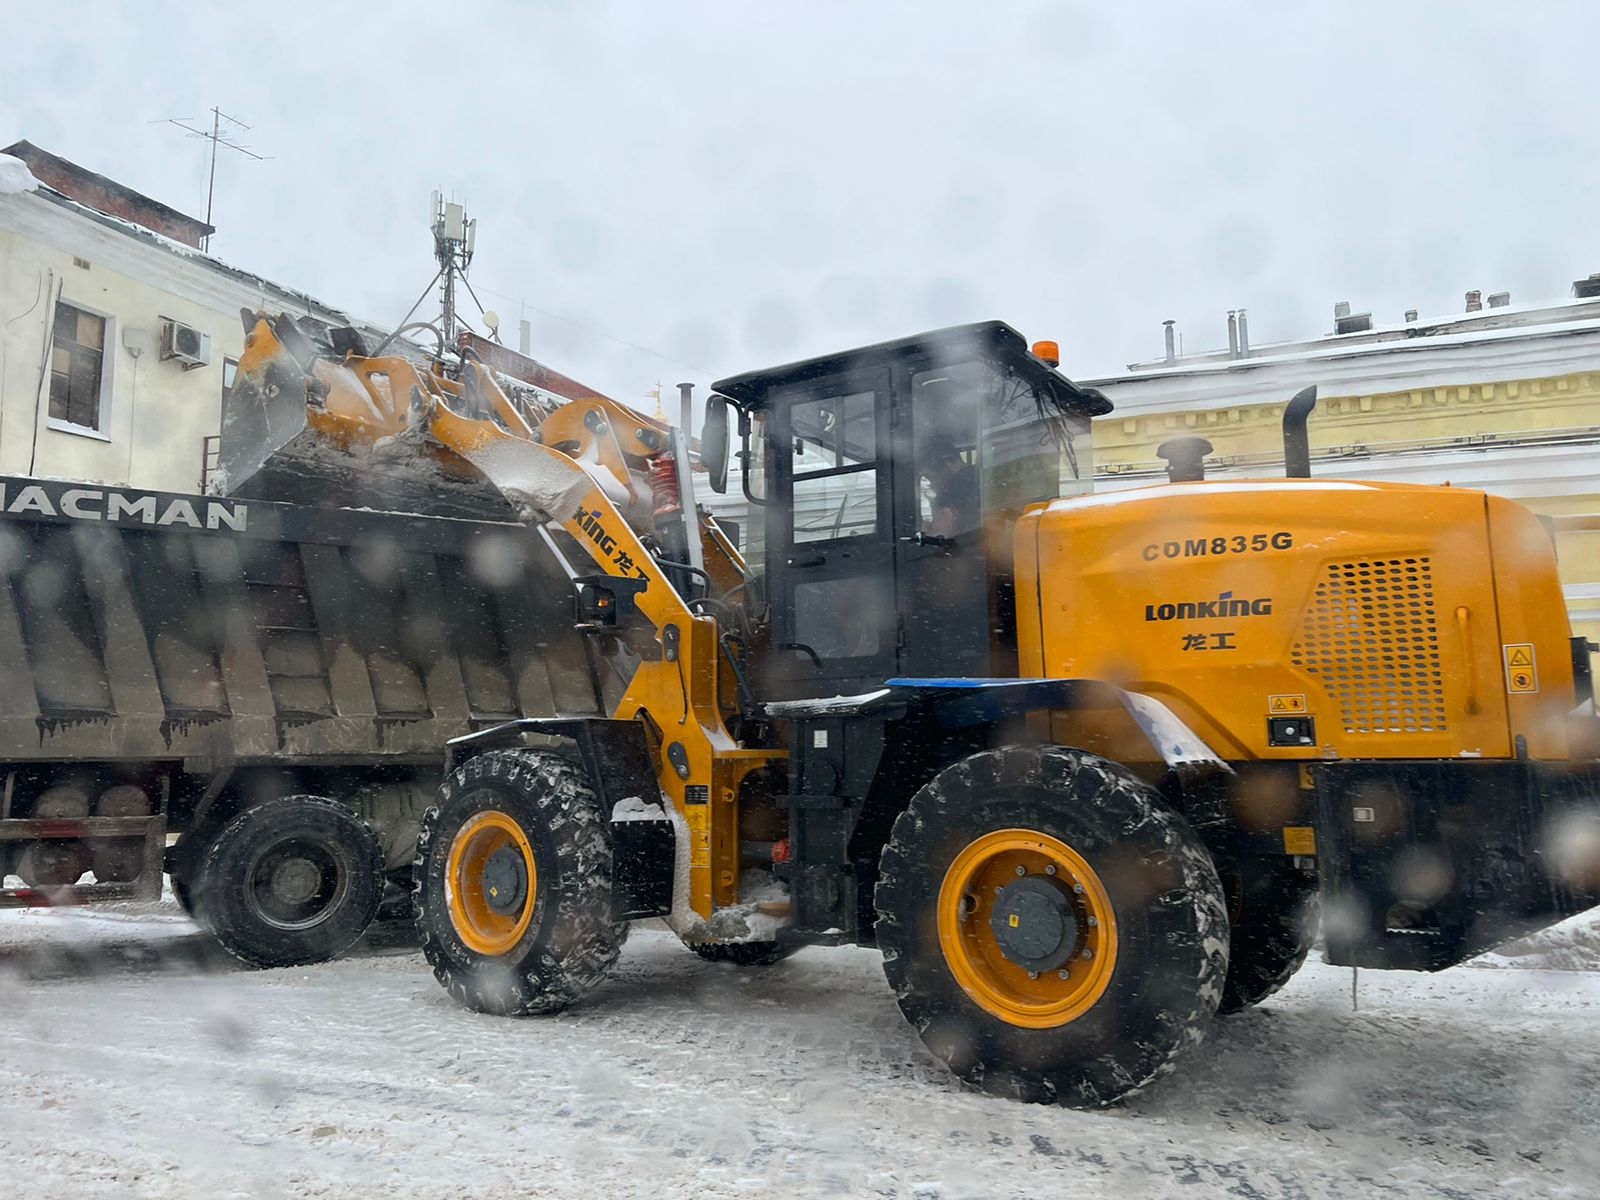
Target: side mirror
{"type": "Point", "coordinates": [714, 443]}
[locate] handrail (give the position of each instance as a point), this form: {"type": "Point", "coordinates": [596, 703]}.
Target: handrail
{"type": "Point", "coordinates": [1576, 523]}
{"type": "Point", "coordinates": [1464, 624]}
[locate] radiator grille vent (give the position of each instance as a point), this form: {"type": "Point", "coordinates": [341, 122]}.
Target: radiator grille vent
{"type": "Point", "coordinates": [1371, 638]}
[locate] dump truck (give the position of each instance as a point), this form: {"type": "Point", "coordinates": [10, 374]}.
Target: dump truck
{"type": "Point", "coordinates": [1083, 767]}
{"type": "Point", "coordinates": [255, 694]}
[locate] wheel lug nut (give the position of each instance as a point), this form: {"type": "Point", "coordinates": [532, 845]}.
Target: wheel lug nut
{"type": "Point", "coordinates": [1061, 974]}
{"type": "Point", "coordinates": [1033, 974]}
{"type": "Point", "coordinates": [1050, 870]}
{"type": "Point", "coordinates": [1088, 953]}
{"type": "Point", "coordinates": [1021, 870]}
{"type": "Point", "coordinates": [1093, 921]}
{"type": "Point", "coordinates": [1077, 889]}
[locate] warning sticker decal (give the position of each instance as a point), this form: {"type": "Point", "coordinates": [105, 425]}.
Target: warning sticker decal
{"type": "Point", "coordinates": [1280, 706]}
{"type": "Point", "coordinates": [1522, 670]}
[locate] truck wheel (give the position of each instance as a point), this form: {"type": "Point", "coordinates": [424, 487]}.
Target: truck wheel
{"type": "Point", "coordinates": [513, 884]}
{"type": "Point", "coordinates": [183, 894]}
{"type": "Point", "coordinates": [1051, 928]}
{"type": "Point", "coordinates": [294, 880]}
{"type": "Point", "coordinates": [183, 865]}
{"type": "Point", "coordinates": [745, 954]}
{"type": "Point", "coordinates": [1273, 917]}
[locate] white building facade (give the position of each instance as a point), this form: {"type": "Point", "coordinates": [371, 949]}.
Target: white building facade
{"type": "Point", "coordinates": [116, 341]}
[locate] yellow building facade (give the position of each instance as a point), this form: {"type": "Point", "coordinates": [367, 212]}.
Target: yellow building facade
{"type": "Point", "coordinates": [1507, 400]}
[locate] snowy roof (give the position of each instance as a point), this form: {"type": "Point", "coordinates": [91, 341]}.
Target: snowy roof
{"type": "Point", "coordinates": [1579, 316]}
{"type": "Point", "coordinates": [1354, 365]}
{"type": "Point", "coordinates": [272, 293]}
{"type": "Point", "coordinates": [86, 186]}
{"type": "Point", "coordinates": [15, 176]}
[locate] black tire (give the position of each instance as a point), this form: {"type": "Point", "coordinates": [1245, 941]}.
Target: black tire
{"type": "Point", "coordinates": [290, 881]}
{"type": "Point", "coordinates": [570, 941]}
{"type": "Point", "coordinates": [183, 865]}
{"type": "Point", "coordinates": [1273, 918]}
{"type": "Point", "coordinates": [745, 954]}
{"type": "Point", "coordinates": [397, 905]}
{"type": "Point", "coordinates": [184, 895]}
{"type": "Point", "coordinates": [1170, 924]}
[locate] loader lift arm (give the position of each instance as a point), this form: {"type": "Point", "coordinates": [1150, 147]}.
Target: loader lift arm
{"type": "Point", "coordinates": [294, 401]}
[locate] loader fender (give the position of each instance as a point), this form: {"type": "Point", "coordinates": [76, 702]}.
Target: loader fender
{"type": "Point", "coordinates": [958, 703]}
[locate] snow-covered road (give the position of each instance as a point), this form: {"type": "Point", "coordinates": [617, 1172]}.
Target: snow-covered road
{"type": "Point", "coordinates": [136, 1062]}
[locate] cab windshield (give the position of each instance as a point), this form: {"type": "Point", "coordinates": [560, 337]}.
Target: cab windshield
{"type": "Point", "coordinates": [987, 442]}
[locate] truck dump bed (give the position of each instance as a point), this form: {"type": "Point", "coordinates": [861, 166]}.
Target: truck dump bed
{"type": "Point", "coordinates": [171, 661]}
{"type": "Point", "coordinates": [158, 626]}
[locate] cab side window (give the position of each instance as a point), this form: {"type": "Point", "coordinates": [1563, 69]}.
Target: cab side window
{"type": "Point", "coordinates": [946, 401]}
{"type": "Point", "coordinates": [835, 482]}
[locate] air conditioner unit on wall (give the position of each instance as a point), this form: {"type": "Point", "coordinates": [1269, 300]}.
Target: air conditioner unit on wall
{"type": "Point", "coordinates": [186, 345]}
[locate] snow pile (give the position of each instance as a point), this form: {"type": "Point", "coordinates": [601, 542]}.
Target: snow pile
{"type": "Point", "coordinates": [682, 920]}
{"type": "Point", "coordinates": [631, 808]}
{"type": "Point", "coordinates": [821, 706]}
{"type": "Point", "coordinates": [532, 476]}
{"type": "Point", "coordinates": [762, 909]}
{"type": "Point", "coordinates": [1573, 945]}
{"type": "Point", "coordinates": [15, 176]}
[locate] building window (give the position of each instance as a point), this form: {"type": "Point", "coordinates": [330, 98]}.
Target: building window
{"type": "Point", "coordinates": [77, 367]}
{"type": "Point", "coordinates": [230, 368]}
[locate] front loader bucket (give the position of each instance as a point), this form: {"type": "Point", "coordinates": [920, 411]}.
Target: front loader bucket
{"type": "Point", "coordinates": [265, 408]}
{"type": "Point", "coordinates": [299, 429]}
{"type": "Point", "coordinates": [405, 473]}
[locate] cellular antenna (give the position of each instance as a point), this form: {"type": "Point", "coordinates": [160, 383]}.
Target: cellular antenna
{"type": "Point", "coordinates": [217, 136]}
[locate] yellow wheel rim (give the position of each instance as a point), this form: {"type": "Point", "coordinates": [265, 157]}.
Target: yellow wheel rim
{"type": "Point", "coordinates": [1042, 999]}
{"type": "Point", "coordinates": [490, 864]}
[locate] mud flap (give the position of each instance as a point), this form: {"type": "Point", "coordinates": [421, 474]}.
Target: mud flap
{"type": "Point", "coordinates": [1426, 864]}
{"type": "Point", "coordinates": [642, 855]}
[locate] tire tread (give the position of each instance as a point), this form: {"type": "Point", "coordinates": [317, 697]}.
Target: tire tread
{"type": "Point", "coordinates": [568, 950]}
{"type": "Point", "coordinates": [1110, 811]}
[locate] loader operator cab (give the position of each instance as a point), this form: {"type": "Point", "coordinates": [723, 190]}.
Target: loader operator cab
{"type": "Point", "coordinates": [884, 483]}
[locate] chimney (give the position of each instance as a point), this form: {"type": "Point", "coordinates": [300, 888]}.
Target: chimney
{"type": "Point", "coordinates": [1586, 289]}
{"type": "Point", "coordinates": [1474, 301]}
{"type": "Point", "coordinates": [1499, 299]}
{"type": "Point", "coordinates": [1172, 353]}
{"type": "Point", "coordinates": [1345, 321]}
{"type": "Point", "coordinates": [1233, 335]}
{"type": "Point", "coordinates": [1244, 337]}
{"type": "Point", "coordinates": [1411, 315]}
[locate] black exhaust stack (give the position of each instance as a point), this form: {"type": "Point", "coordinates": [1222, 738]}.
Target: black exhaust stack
{"type": "Point", "coordinates": [1296, 447]}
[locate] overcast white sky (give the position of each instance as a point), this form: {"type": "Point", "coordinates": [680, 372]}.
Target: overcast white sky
{"type": "Point", "coordinates": [732, 185]}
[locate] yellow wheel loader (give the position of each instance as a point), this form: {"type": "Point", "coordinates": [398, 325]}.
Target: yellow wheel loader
{"type": "Point", "coordinates": [1082, 767]}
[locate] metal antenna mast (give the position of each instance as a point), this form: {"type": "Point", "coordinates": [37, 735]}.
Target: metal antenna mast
{"type": "Point", "coordinates": [453, 239]}
{"type": "Point", "coordinates": [216, 137]}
